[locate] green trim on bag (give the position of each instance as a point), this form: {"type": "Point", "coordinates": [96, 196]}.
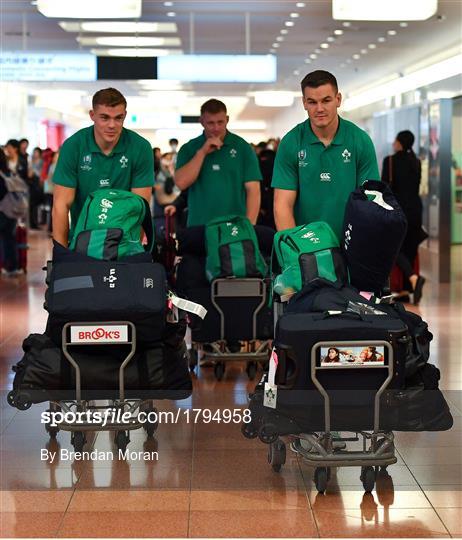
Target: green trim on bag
{"type": "Point", "coordinates": [326, 268]}
{"type": "Point", "coordinates": [96, 243]}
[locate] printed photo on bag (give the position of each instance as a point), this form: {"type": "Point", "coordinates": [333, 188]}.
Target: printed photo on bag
{"type": "Point", "coordinates": [341, 356]}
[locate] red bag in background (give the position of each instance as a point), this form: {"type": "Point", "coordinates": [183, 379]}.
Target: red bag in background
{"type": "Point", "coordinates": [396, 276]}
{"type": "Point", "coordinates": [21, 240]}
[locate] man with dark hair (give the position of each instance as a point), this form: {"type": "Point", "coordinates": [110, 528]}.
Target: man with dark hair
{"type": "Point", "coordinates": [219, 169]}
{"type": "Point", "coordinates": [320, 161]}
{"type": "Point", "coordinates": [100, 156]}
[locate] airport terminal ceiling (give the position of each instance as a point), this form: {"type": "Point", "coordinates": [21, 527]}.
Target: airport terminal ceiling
{"type": "Point", "coordinates": [359, 54]}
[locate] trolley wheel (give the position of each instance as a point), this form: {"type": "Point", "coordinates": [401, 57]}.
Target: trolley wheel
{"type": "Point", "coordinates": [321, 476]}
{"type": "Point", "coordinates": [268, 433]}
{"type": "Point", "coordinates": [193, 359]}
{"type": "Point", "coordinates": [219, 370]}
{"type": "Point", "coordinates": [22, 402]}
{"type": "Point", "coordinates": [251, 370]}
{"type": "Point", "coordinates": [249, 431]}
{"type": "Point", "coordinates": [78, 440]}
{"type": "Point", "coordinates": [151, 426]}
{"type": "Point", "coordinates": [121, 440]}
{"type": "Point", "coordinates": [11, 398]}
{"type": "Point", "coordinates": [368, 478]}
{"type": "Point", "coordinates": [277, 455]}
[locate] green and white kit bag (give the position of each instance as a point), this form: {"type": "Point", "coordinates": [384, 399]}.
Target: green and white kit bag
{"type": "Point", "coordinates": [232, 249]}
{"type": "Point", "coordinates": [109, 226]}
{"type": "Point", "coordinates": [305, 253]}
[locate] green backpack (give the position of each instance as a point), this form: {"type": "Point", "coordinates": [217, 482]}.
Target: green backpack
{"type": "Point", "coordinates": [305, 253]}
{"type": "Point", "coordinates": [232, 249]}
{"type": "Point", "coordinates": [109, 226]}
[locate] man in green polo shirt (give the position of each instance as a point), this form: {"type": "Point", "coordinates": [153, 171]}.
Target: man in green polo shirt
{"type": "Point", "coordinates": [100, 156]}
{"type": "Point", "coordinates": [219, 169]}
{"type": "Point", "coordinates": [320, 161]}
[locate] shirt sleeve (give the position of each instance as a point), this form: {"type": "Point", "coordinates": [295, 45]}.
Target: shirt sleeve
{"type": "Point", "coordinates": [252, 171]}
{"type": "Point", "coordinates": [66, 172]}
{"type": "Point", "coordinates": [367, 167]}
{"type": "Point", "coordinates": [285, 172]}
{"type": "Point", "coordinates": [143, 173]}
{"type": "Point", "coordinates": [184, 155]}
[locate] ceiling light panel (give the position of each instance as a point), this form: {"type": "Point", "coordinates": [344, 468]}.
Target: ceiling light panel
{"type": "Point", "coordinates": [391, 10]}
{"type": "Point", "coordinates": [120, 27]}
{"type": "Point", "coordinates": [130, 41]}
{"type": "Point", "coordinates": [135, 52]}
{"type": "Point", "coordinates": [89, 9]}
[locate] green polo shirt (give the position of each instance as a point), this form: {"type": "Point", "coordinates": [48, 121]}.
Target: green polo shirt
{"type": "Point", "coordinates": [323, 176]}
{"type": "Point", "coordinates": [220, 187]}
{"type": "Point", "coordinates": [83, 166]}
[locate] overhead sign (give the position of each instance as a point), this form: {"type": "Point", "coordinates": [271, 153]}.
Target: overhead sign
{"type": "Point", "coordinates": [47, 67]}
{"type": "Point", "coordinates": [217, 68]}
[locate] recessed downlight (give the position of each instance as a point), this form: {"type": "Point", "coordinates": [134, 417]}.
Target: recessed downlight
{"type": "Point", "coordinates": [307, 61]}
{"type": "Point", "coordinates": [330, 39]}
{"type": "Point", "coordinates": [171, 14]}
{"type": "Point", "coordinates": [280, 38]}
{"type": "Point", "coordinates": [289, 23]}
{"type": "Point", "coordinates": [356, 56]}
{"type": "Point", "coordinates": [324, 45]}
{"type": "Point", "coordinates": [363, 51]}
{"type": "Point", "coordinates": [295, 15]}
{"type": "Point", "coordinates": [338, 32]}
{"type": "Point", "coordinates": [275, 45]}
{"type": "Point", "coordinates": [346, 24]}
{"type": "Point", "coordinates": [313, 56]}
{"type": "Point", "coordinates": [381, 39]}
{"type": "Point", "coordinates": [318, 51]}
{"type": "Point", "coordinates": [284, 31]}
{"type": "Point", "coordinates": [300, 4]}
{"type": "Point", "coordinates": [403, 24]}
{"type": "Point", "coordinates": [372, 46]}
{"type": "Point", "coordinates": [392, 32]}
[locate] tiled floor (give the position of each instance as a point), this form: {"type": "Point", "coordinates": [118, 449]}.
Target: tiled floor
{"type": "Point", "coordinates": [209, 481]}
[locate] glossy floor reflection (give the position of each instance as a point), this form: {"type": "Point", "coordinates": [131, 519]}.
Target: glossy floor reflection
{"type": "Point", "coordinates": [209, 481]}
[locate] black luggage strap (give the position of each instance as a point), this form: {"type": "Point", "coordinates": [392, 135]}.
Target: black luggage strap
{"type": "Point", "coordinates": [343, 314]}
{"type": "Point", "coordinates": [148, 227]}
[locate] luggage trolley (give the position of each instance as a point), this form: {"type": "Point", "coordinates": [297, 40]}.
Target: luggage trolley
{"type": "Point", "coordinates": [220, 351]}
{"type": "Point", "coordinates": [76, 334]}
{"type": "Point", "coordinates": [378, 446]}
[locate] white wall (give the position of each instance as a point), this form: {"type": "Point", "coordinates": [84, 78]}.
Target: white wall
{"type": "Point", "coordinates": [13, 112]}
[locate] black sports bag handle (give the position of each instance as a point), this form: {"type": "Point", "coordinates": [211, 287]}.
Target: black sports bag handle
{"type": "Point", "coordinates": [347, 314]}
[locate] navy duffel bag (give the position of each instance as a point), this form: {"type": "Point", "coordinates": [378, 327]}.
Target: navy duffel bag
{"type": "Point", "coordinates": [374, 228]}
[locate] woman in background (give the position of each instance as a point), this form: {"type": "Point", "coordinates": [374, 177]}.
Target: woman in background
{"type": "Point", "coordinates": [402, 171]}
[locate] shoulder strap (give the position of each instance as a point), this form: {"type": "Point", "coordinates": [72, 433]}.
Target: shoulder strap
{"type": "Point", "coordinates": [147, 226]}
{"type": "Point", "coordinates": [390, 171]}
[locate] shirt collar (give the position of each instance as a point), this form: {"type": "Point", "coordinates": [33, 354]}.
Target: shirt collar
{"type": "Point", "coordinates": [337, 140]}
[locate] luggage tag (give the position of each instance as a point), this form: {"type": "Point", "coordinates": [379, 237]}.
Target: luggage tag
{"type": "Point", "coordinates": [186, 305]}
{"type": "Point", "coordinates": [271, 390]}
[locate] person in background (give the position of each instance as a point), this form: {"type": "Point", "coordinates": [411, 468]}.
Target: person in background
{"type": "Point", "coordinates": [320, 161]}
{"type": "Point", "coordinates": [104, 155]}
{"type": "Point", "coordinates": [157, 154]}
{"type": "Point", "coordinates": [16, 162]}
{"type": "Point", "coordinates": [36, 162]}
{"type": "Point", "coordinates": [36, 194]}
{"type": "Point", "coordinates": [173, 143]}
{"type": "Point", "coordinates": [402, 171]}
{"type": "Point", "coordinates": [266, 158]}
{"type": "Point", "coordinates": [8, 246]}
{"type": "Point", "coordinates": [219, 169]}
{"type": "Point", "coordinates": [48, 191]}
